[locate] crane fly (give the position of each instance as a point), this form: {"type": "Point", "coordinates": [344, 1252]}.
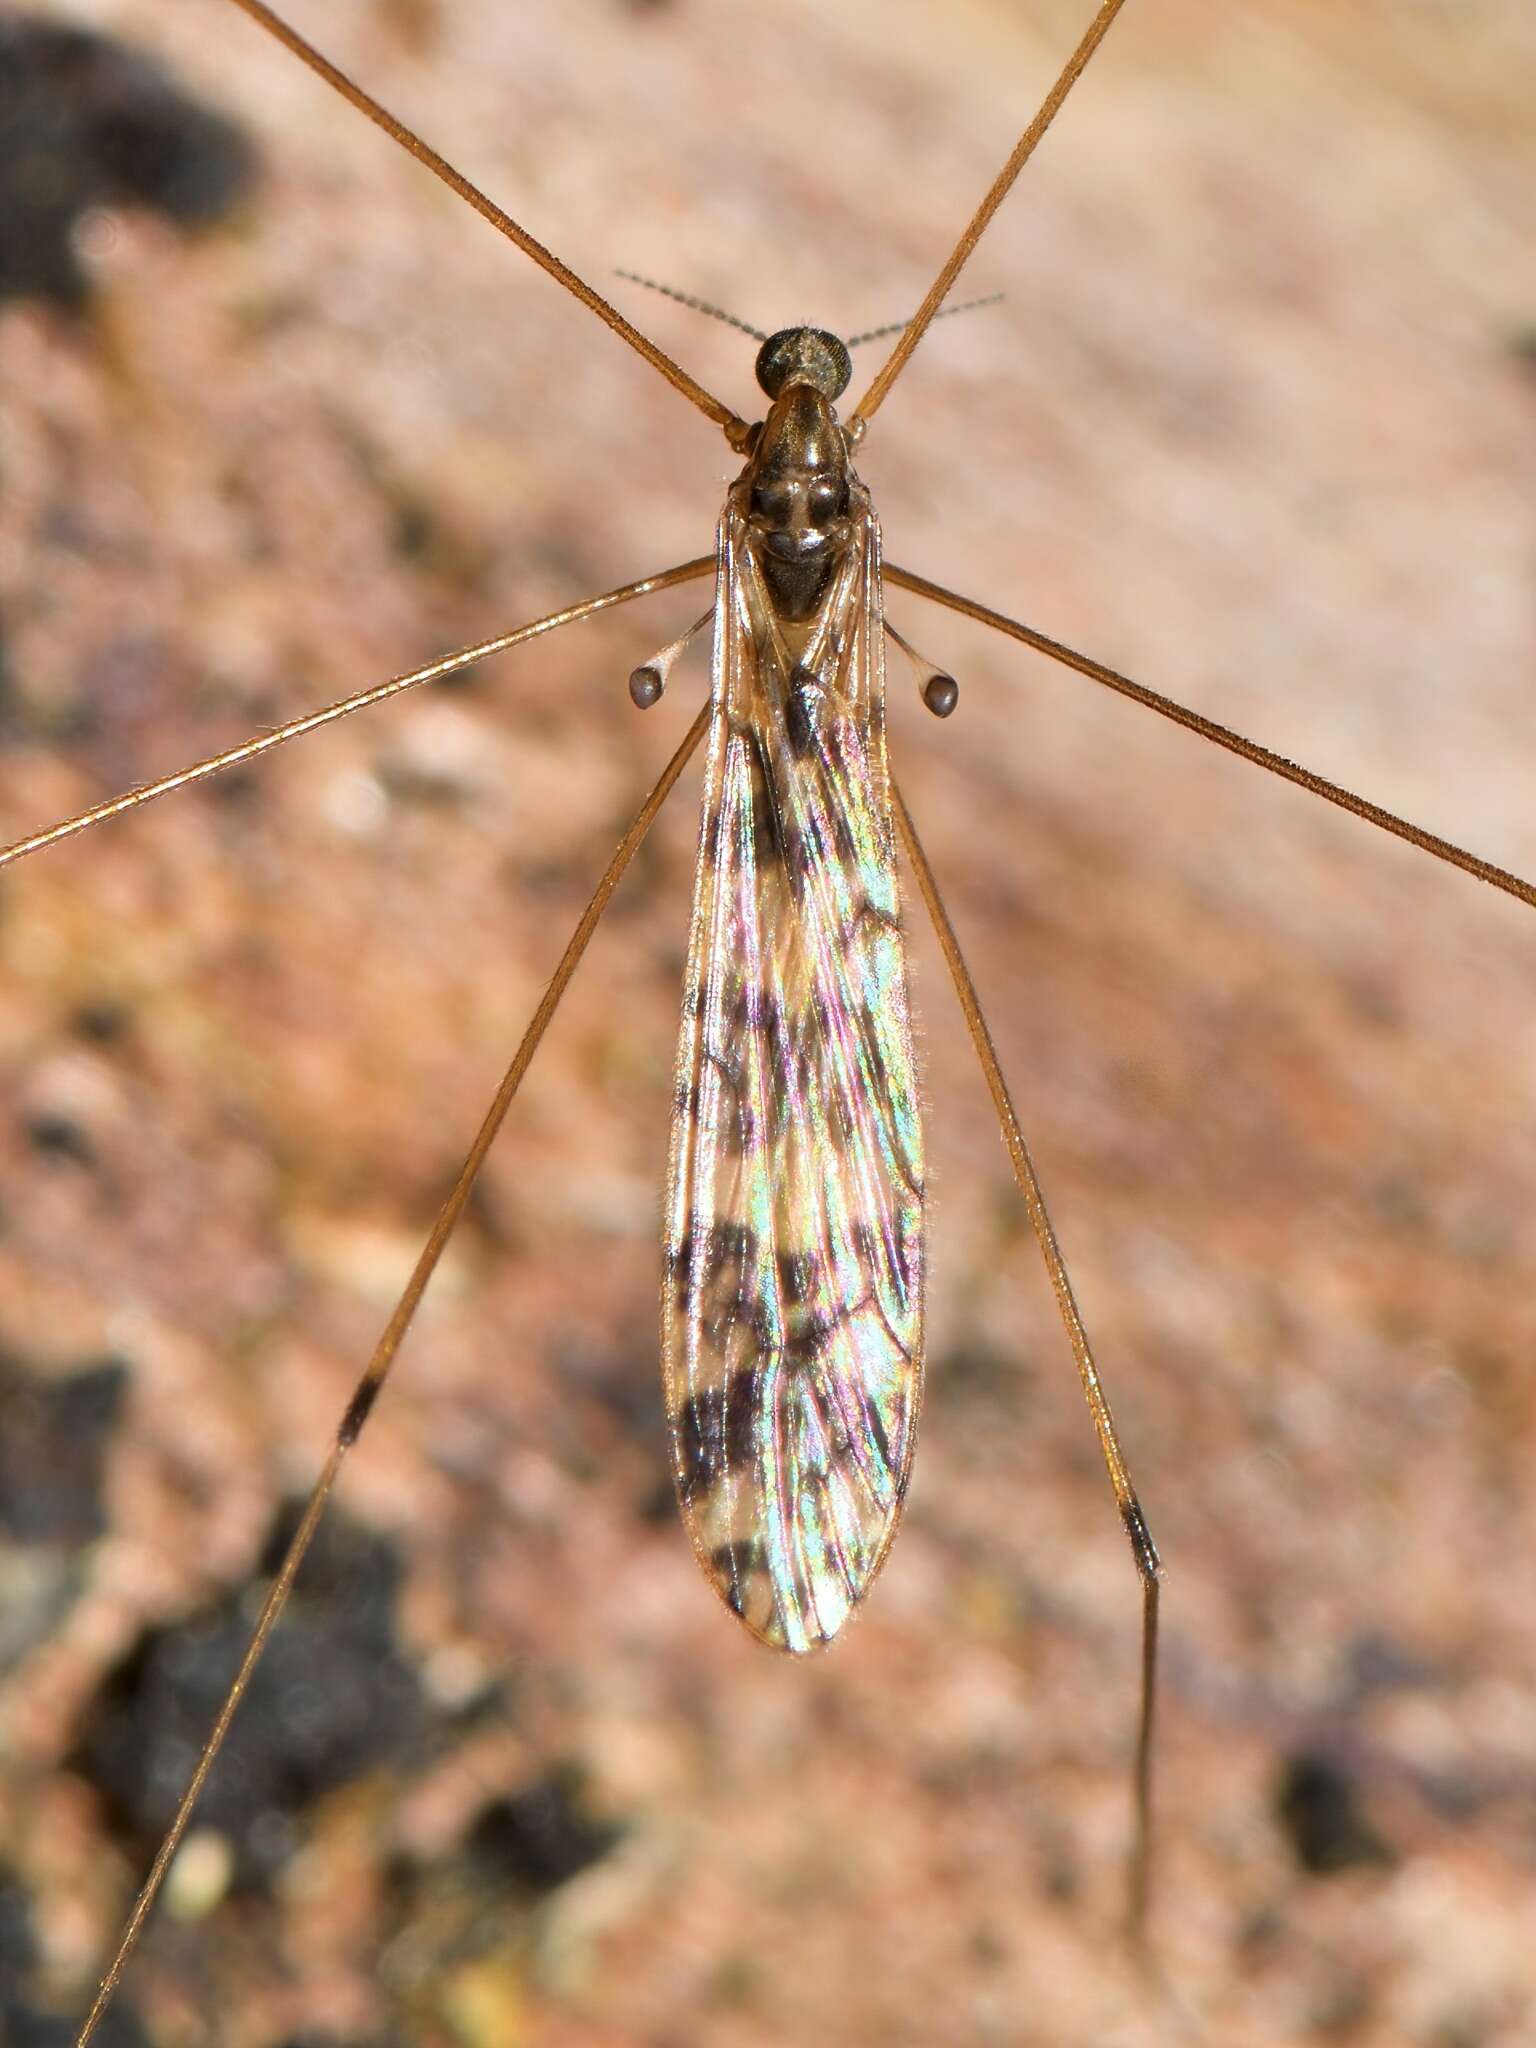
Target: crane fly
{"type": "Point", "coordinates": [792, 1291]}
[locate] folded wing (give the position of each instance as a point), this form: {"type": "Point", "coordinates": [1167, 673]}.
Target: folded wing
{"type": "Point", "coordinates": [792, 1311]}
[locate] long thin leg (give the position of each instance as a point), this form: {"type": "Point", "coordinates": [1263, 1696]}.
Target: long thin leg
{"type": "Point", "coordinates": [487, 208]}
{"type": "Point", "coordinates": [1001, 185]}
{"type": "Point", "coordinates": [372, 1381]}
{"type": "Point", "coordinates": [1223, 736]}
{"type": "Point", "coordinates": [1143, 1549]}
{"type": "Point", "coordinates": [264, 742]}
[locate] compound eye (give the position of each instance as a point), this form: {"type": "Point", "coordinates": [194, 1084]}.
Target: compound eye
{"type": "Point", "coordinates": [829, 500]}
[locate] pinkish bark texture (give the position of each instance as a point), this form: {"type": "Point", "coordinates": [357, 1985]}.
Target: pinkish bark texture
{"type": "Point", "coordinates": [1253, 424]}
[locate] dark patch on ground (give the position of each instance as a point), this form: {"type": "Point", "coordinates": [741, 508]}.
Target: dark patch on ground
{"type": "Point", "coordinates": [540, 1838]}
{"type": "Point", "coordinates": [1317, 1805]}
{"type": "Point", "coordinates": [17, 1953]}
{"type": "Point", "coordinates": [59, 1137]}
{"type": "Point", "coordinates": [52, 1450]}
{"type": "Point", "coordinates": [626, 1385]}
{"type": "Point", "coordinates": [331, 1700]}
{"type": "Point", "coordinates": [24, 2025]}
{"type": "Point", "coordinates": [101, 1023]}
{"type": "Point", "coordinates": [84, 123]}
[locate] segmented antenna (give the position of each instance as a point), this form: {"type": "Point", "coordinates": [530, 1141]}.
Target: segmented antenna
{"type": "Point", "coordinates": [851, 341]}
{"type": "Point", "coordinates": [944, 313]}
{"type": "Point", "coordinates": [699, 305]}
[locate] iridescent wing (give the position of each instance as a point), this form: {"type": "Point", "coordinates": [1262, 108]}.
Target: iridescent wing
{"type": "Point", "coordinates": [792, 1304]}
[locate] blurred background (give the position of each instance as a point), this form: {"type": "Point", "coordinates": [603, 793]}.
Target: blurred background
{"type": "Point", "coordinates": [1255, 422]}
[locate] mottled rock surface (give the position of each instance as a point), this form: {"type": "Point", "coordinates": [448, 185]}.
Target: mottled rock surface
{"type": "Point", "coordinates": [1256, 423]}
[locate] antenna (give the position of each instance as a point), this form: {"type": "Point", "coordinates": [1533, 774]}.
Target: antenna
{"type": "Point", "coordinates": [699, 305]}
{"type": "Point", "coordinates": [944, 313]}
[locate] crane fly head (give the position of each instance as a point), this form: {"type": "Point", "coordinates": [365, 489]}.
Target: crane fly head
{"type": "Point", "coordinates": [804, 355]}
